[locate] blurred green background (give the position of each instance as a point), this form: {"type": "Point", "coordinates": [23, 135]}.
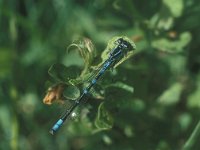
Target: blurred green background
{"type": "Point", "coordinates": [160, 114]}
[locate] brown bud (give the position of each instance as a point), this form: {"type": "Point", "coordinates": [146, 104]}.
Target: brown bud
{"type": "Point", "coordinates": [54, 94]}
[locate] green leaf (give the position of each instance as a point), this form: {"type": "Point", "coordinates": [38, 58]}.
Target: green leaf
{"type": "Point", "coordinates": [122, 85]}
{"type": "Point", "coordinates": [116, 97]}
{"type": "Point", "coordinates": [86, 50]}
{"type": "Point", "coordinates": [5, 61]}
{"type": "Point", "coordinates": [158, 21]}
{"type": "Point", "coordinates": [5, 118]}
{"type": "Point", "coordinates": [80, 79]}
{"type": "Point", "coordinates": [185, 120]}
{"type": "Point", "coordinates": [107, 139]}
{"type": "Point", "coordinates": [117, 94]}
{"type": "Point", "coordinates": [97, 92]}
{"type": "Point", "coordinates": [128, 131]}
{"type": "Point", "coordinates": [172, 95]}
{"type": "Point", "coordinates": [9, 125]}
{"type": "Point", "coordinates": [179, 67]}
{"type": "Point", "coordinates": [103, 120]}
{"type": "Point", "coordinates": [170, 46]}
{"type": "Point", "coordinates": [165, 22]}
{"type": "Point", "coordinates": [193, 99]}
{"type": "Point", "coordinates": [163, 145]}
{"type": "Point", "coordinates": [62, 73]}
{"type": "Point", "coordinates": [71, 92]}
{"type": "Point", "coordinates": [175, 7]}
{"type": "Point", "coordinates": [137, 105]}
{"type": "Point", "coordinates": [193, 139]}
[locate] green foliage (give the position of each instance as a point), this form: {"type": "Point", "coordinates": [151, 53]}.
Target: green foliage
{"type": "Point", "coordinates": [71, 92]}
{"type": "Point", "coordinates": [63, 74]}
{"type": "Point", "coordinates": [87, 52]}
{"type": "Point", "coordinates": [150, 101]}
{"type": "Point", "coordinates": [172, 95]}
{"type": "Point", "coordinates": [176, 9]}
{"type": "Point", "coordinates": [174, 46]}
{"type": "Point", "coordinates": [103, 120]}
{"type": "Point", "coordinates": [193, 98]}
{"type": "Point", "coordinates": [5, 61]}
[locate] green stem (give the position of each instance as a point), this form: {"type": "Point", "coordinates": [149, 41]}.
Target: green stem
{"type": "Point", "coordinates": [193, 138]}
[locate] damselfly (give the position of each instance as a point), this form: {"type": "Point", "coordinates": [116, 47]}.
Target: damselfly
{"type": "Point", "coordinates": [121, 48]}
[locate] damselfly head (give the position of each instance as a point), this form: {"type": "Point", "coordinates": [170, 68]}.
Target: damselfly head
{"type": "Point", "coordinates": [122, 48]}
{"type": "Point", "coordinates": [123, 44]}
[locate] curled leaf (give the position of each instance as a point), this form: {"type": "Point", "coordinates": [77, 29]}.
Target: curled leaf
{"type": "Point", "coordinates": [86, 50]}
{"type": "Point", "coordinates": [103, 120]}
{"type": "Point", "coordinates": [122, 85]}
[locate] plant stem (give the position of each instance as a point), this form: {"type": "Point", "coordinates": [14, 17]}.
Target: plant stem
{"type": "Point", "coordinates": [193, 138]}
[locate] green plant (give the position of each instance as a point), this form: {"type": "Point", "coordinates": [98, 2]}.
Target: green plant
{"type": "Point", "coordinates": [66, 82]}
{"type": "Point", "coordinates": [160, 113]}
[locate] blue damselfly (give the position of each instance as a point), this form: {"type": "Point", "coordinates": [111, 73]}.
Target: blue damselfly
{"type": "Point", "coordinates": [116, 54]}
